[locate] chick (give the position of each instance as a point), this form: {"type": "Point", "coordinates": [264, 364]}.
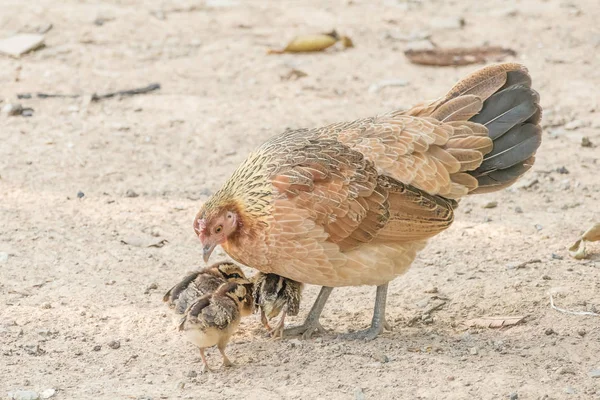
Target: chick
{"type": "Point", "coordinates": [201, 282]}
{"type": "Point", "coordinates": [274, 294]}
{"type": "Point", "coordinates": [213, 318]}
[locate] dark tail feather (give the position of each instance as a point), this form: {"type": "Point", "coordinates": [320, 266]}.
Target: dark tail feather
{"type": "Point", "coordinates": [512, 117]}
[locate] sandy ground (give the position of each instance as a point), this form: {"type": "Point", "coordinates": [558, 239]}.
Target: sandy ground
{"type": "Point", "coordinates": [70, 286]}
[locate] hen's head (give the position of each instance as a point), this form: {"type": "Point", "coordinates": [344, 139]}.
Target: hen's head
{"type": "Point", "coordinates": [214, 225]}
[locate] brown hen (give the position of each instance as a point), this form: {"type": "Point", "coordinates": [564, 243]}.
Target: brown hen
{"type": "Point", "coordinates": [352, 203]}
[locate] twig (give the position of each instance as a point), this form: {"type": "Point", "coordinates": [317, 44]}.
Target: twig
{"type": "Point", "coordinates": [426, 312]}
{"type": "Point", "coordinates": [95, 97]}
{"type": "Point", "coordinates": [562, 310]}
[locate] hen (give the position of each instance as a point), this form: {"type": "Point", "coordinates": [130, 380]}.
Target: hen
{"type": "Point", "coordinates": [352, 203]}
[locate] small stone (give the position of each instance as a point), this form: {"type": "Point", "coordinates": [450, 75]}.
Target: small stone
{"type": "Point", "coordinates": [594, 373]}
{"type": "Point", "coordinates": [474, 351]}
{"type": "Point", "coordinates": [295, 343]}
{"type": "Point", "coordinates": [575, 124]}
{"type": "Point", "coordinates": [114, 344]}
{"type": "Point", "coordinates": [582, 332]}
{"type": "Point", "coordinates": [513, 396]}
{"type": "Point", "coordinates": [46, 306]}
{"type": "Point", "coordinates": [450, 378]}
{"type": "Point", "coordinates": [152, 286]}
{"type": "Point", "coordinates": [546, 278]}
{"type": "Point", "coordinates": [431, 289]}
{"type": "Point", "coordinates": [80, 194]}
{"type": "Point", "coordinates": [538, 227]}
{"type": "Point", "coordinates": [181, 385]}
{"type": "Point", "coordinates": [518, 210]}
{"type": "Point", "coordinates": [12, 109]}
{"type": "Point", "coordinates": [491, 204]}
{"type": "Point", "coordinates": [422, 303]}
{"type": "Point", "coordinates": [570, 390]}
{"type": "Point", "coordinates": [192, 374]}
{"type": "Point", "coordinates": [549, 331]}
{"type": "Point", "coordinates": [359, 394]}
{"type": "Point", "coordinates": [381, 357]}
{"type": "Point", "coordinates": [3, 257]}
{"type": "Point", "coordinates": [562, 170]}
{"type": "Point", "coordinates": [585, 142]}
{"type": "Point", "coordinates": [565, 371]}
{"type": "Point", "coordinates": [131, 193]}
{"type": "Point", "coordinates": [21, 43]}
{"type": "Point", "coordinates": [27, 112]}
{"type": "Point", "coordinates": [23, 395]}
{"type": "Point", "coordinates": [556, 256]}
{"type": "Point", "coordinates": [46, 394]}
{"type": "Point", "coordinates": [97, 348]}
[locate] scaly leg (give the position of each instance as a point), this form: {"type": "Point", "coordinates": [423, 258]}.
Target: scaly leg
{"type": "Point", "coordinates": [206, 367]}
{"type": "Point", "coordinates": [311, 323]}
{"type": "Point", "coordinates": [265, 321]}
{"type": "Point", "coordinates": [226, 362]}
{"type": "Point", "coordinates": [277, 332]}
{"type": "Point", "coordinates": [378, 323]}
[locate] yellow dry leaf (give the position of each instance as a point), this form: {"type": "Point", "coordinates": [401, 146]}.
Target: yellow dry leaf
{"type": "Point", "coordinates": [577, 250]}
{"type": "Point", "coordinates": [494, 322]}
{"type": "Point", "coordinates": [309, 43]}
{"type": "Point", "coordinates": [346, 42]}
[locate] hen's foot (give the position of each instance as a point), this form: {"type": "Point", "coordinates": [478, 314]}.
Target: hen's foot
{"type": "Point", "coordinates": [307, 329]}
{"type": "Point", "coordinates": [368, 334]}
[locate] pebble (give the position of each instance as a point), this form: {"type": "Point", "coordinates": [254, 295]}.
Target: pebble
{"type": "Point", "coordinates": [585, 142]}
{"type": "Point", "coordinates": [359, 394]}
{"type": "Point", "coordinates": [562, 170]}
{"type": "Point", "coordinates": [131, 193]}
{"type": "Point", "coordinates": [491, 204]}
{"type": "Point", "coordinates": [513, 396]}
{"type": "Point", "coordinates": [565, 371]}
{"type": "Point", "coordinates": [381, 357]}
{"type": "Point", "coordinates": [192, 374]}
{"type": "Point", "coordinates": [474, 351]}
{"type": "Point", "coordinates": [46, 306]}
{"type": "Point", "coordinates": [574, 125]}
{"type": "Point", "coordinates": [538, 227]}
{"type": "Point", "coordinates": [556, 256]}
{"type": "Point", "coordinates": [595, 373]}
{"type": "Point", "coordinates": [80, 194]}
{"type": "Point", "coordinates": [46, 394]}
{"type": "Point", "coordinates": [546, 278]}
{"type": "Point", "coordinates": [582, 332]}
{"type": "Point", "coordinates": [3, 257]}
{"type": "Point", "coordinates": [570, 390]}
{"type": "Point", "coordinates": [12, 109]}
{"type": "Point", "coordinates": [27, 112]}
{"type": "Point", "coordinates": [23, 395]}
{"type": "Point", "coordinates": [549, 331]}
{"type": "Point", "coordinates": [422, 303]}
{"type": "Point", "coordinates": [114, 344]}
{"type": "Point", "coordinates": [97, 348]}
{"type": "Point", "coordinates": [518, 210]}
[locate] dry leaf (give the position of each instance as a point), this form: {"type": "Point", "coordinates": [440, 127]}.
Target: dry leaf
{"type": "Point", "coordinates": [458, 55]}
{"type": "Point", "coordinates": [309, 43]}
{"type": "Point", "coordinates": [494, 322]}
{"type": "Point", "coordinates": [577, 250]}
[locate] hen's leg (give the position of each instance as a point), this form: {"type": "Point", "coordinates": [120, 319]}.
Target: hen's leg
{"type": "Point", "coordinates": [311, 323]}
{"type": "Point", "coordinates": [378, 323]}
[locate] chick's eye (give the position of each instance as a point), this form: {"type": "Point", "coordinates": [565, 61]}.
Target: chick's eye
{"type": "Point", "coordinates": [218, 229]}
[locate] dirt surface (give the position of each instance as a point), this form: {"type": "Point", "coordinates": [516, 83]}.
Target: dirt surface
{"type": "Point", "coordinates": [70, 286]}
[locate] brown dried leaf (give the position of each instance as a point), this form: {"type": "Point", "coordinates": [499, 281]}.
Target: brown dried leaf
{"type": "Point", "coordinates": [457, 56]}
{"type": "Point", "coordinates": [494, 322]}
{"type": "Point", "coordinates": [346, 42]}
{"type": "Point", "coordinates": [309, 43]}
{"type": "Point", "coordinates": [139, 241]}
{"type": "Point", "coordinates": [577, 250]}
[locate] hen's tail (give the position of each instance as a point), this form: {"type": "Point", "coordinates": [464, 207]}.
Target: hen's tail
{"type": "Point", "coordinates": [510, 112]}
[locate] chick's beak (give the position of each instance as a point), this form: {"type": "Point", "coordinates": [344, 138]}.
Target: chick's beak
{"type": "Point", "coordinates": [207, 251]}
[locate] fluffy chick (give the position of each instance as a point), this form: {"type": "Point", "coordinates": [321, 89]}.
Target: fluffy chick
{"type": "Point", "coordinates": [202, 282]}
{"type": "Point", "coordinates": [274, 294]}
{"type": "Point", "coordinates": [213, 318]}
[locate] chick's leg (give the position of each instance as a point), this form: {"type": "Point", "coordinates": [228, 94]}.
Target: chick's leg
{"type": "Point", "coordinates": [226, 362]}
{"type": "Point", "coordinates": [265, 321]}
{"type": "Point", "coordinates": [378, 323]}
{"type": "Point", "coordinates": [277, 331]}
{"type": "Point", "coordinates": [206, 367]}
{"type": "Point", "coordinates": [311, 323]}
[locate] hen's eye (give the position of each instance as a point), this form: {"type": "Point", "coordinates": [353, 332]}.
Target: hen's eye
{"type": "Point", "coordinates": [218, 229]}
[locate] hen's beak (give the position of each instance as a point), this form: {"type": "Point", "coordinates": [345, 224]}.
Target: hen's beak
{"type": "Point", "coordinates": [207, 251]}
